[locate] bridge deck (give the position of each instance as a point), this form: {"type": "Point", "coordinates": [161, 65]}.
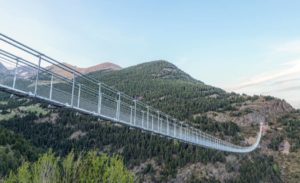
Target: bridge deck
{"type": "Point", "coordinates": [27, 73]}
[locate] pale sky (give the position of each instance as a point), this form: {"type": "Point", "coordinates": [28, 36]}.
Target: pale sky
{"type": "Point", "coordinates": [250, 47]}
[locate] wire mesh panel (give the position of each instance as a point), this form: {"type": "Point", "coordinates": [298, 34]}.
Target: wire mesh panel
{"type": "Point", "coordinates": [139, 118]}
{"type": "Point", "coordinates": [155, 123]}
{"type": "Point", "coordinates": [178, 131]}
{"type": "Point", "coordinates": [144, 119]}
{"type": "Point", "coordinates": [44, 84]}
{"type": "Point", "coordinates": [125, 113]}
{"type": "Point", "coordinates": [150, 123]}
{"type": "Point", "coordinates": [7, 68]}
{"type": "Point", "coordinates": [171, 129]}
{"type": "Point", "coordinates": [62, 90]}
{"type": "Point", "coordinates": [164, 126]}
{"type": "Point", "coordinates": [25, 78]}
{"type": "Point", "coordinates": [109, 106]}
{"type": "Point", "coordinates": [87, 99]}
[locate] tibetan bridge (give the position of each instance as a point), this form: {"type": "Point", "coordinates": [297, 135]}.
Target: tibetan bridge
{"type": "Point", "coordinates": [25, 72]}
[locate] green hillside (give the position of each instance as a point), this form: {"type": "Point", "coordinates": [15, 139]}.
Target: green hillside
{"type": "Point", "coordinates": [152, 158]}
{"type": "Point", "coordinates": [164, 86]}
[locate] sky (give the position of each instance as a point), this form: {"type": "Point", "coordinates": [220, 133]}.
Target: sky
{"type": "Point", "coordinates": [250, 47]}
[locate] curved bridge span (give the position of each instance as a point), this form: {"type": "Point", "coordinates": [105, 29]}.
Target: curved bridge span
{"type": "Point", "coordinates": [27, 72]}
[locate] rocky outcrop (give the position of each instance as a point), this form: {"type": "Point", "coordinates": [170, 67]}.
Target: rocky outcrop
{"type": "Point", "coordinates": [260, 110]}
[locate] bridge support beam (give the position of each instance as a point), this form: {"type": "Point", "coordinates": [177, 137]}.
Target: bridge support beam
{"type": "Point", "coordinates": [79, 93]}
{"type": "Point", "coordinates": [152, 128]}
{"type": "Point", "coordinates": [143, 119]}
{"type": "Point", "coordinates": [99, 98]}
{"type": "Point", "coordinates": [148, 117]}
{"type": "Point", "coordinates": [175, 128]}
{"type": "Point", "coordinates": [118, 107]}
{"type": "Point", "coordinates": [51, 87]}
{"type": "Point", "coordinates": [158, 122]}
{"type": "Point", "coordinates": [134, 112]}
{"type": "Point", "coordinates": [73, 88]}
{"type": "Point", "coordinates": [37, 76]}
{"type": "Point", "coordinates": [15, 74]}
{"type": "Point", "coordinates": [131, 113]}
{"type": "Point", "coordinates": [168, 127]}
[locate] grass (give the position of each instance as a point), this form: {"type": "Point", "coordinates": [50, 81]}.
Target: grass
{"type": "Point", "coordinates": [7, 116]}
{"type": "Point", "coordinates": [34, 109]}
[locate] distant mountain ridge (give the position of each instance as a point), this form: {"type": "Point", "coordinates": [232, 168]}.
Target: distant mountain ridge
{"type": "Point", "coordinates": [86, 70]}
{"type": "Point", "coordinates": [2, 68]}
{"type": "Point", "coordinates": [153, 70]}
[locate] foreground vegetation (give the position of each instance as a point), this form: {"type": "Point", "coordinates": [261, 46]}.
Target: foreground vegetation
{"type": "Point", "coordinates": [86, 167]}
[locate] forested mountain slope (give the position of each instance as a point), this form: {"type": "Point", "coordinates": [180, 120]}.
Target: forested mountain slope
{"type": "Point", "coordinates": [38, 127]}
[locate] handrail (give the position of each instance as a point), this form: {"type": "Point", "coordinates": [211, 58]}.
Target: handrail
{"type": "Point", "coordinates": [108, 105]}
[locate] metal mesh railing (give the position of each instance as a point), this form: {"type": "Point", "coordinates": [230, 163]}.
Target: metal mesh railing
{"type": "Point", "coordinates": [26, 71]}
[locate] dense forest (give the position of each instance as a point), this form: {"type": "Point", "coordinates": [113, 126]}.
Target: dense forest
{"type": "Point", "coordinates": [28, 130]}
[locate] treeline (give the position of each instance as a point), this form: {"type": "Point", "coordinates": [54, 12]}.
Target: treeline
{"type": "Point", "coordinates": [86, 167]}
{"type": "Point", "coordinates": [14, 150]}
{"type": "Point", "coordinates": [291, 125]}
{"type": "Point", "coordinates": [134, 146]}
{"type": "Point", "coordinates": [211, 126]}
{"type": "Point", "coordinates": [165, 87]}
{"type": "Point", "coordinates": [258, 168]}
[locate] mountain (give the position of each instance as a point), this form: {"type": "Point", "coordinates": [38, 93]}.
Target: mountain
{"type": "Point", "coordinates": [23, 71]}
{"type": "Point", "coordinates": [233, 117]}
{"type": "Point", "coordinates": [159, 69]}
{"type": "Point", "coordinates": [26, 71]}
{"type": "Point", "coordinates": [98, 67]}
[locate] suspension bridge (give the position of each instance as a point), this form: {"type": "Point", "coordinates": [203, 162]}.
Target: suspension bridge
{"type": "Point", "coordinates": [27, 73]}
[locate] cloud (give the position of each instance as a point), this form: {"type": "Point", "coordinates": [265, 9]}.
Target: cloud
{"type": "Point", "coordinates": [286, 74]}
{"type": "Point", "coordinates": [283, 82]}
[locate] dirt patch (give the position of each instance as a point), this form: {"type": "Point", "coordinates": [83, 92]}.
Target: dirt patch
{"type": "Point", "coordinates": [77, 135]}
{"type": "Point", "coordinates": [284, 147]}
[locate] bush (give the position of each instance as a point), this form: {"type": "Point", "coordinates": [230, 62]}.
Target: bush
{"type": "Point", "coordinates": [87, 167]}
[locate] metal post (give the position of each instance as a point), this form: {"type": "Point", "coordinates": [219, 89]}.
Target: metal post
{"type": "Point", "coordinates": [79, 92]}
{"type": "Point", "coordinates": [51, 87]}
{"type": "Point", "coordinates": [131, 108]}
{"type": "Point", "coordinates": [147, 117]}
{"type": "Point", "coordinates": [143, 121]}
{"type": "Point", "coordinates": [186, 134]}
{"type": "Point", "coordinates": [73, 88]}
{"type": "Point", "coordinates": [37, 76]}
{"type": "Point", "coordinates": [134, 112]}
{"type": "Point", "coordinates": [175, 128]}
{"type": "Point", "coordinates": [192, 135]}
{"type": "Point", "coordinates": [180, 131]}
{"type": "Point", "coordinates": [118, 106]}
{"type": "Point", "coordinates": [152, 123]}
{"type": "Point", "coordinates": [16, 72]}
{"type": "Point", "coordinates": [168, 127]}
{"type": "Point", "coordinates": [99, 99]}
{"type": "Point", "coordinates": [158, 122]}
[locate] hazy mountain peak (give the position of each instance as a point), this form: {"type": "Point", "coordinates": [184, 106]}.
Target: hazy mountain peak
{"type": "Point", "coordinates": [85, 70]}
